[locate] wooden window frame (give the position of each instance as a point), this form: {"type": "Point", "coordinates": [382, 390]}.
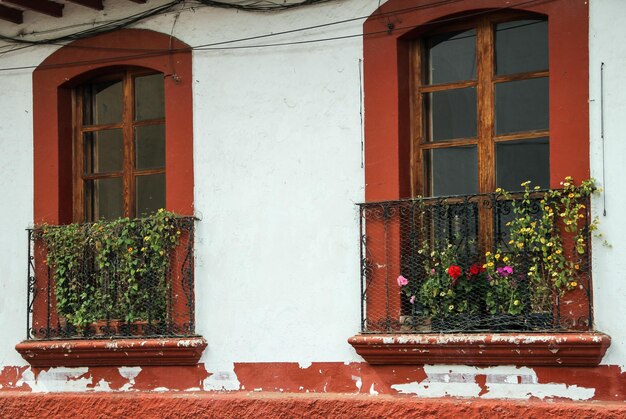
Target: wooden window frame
{"type": "Point", "coordinates": [128, 124]}
{"type": "Point", "coordinates": [485, 82]}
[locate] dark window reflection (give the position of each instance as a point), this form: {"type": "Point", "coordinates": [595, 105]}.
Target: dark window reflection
{"type": "Point", "coordinates": [104, 151]}
{"type": "Point", "coordinates": [150, 191]}
{"type": "Point", "coordinates": [521, 46]}
{"type": "Point", "coordinates": [522, 106]}
{"type": "Point", "coordinates": [520, 161]}
{"type": "Point", "coordinates": [150, 147]}
{"type": "Point", "coordinates": [452, 171]}
{"type": "Point", "coordinates": [104, 199]}
{"type": "Point", "coordinates": [102, 103]}
{"type": "Point", "coordinates": [451, 57]}
{"type": "Point", "coordinates": [451, 114]}
{"type": "Point", "coordinates": [149, 97]}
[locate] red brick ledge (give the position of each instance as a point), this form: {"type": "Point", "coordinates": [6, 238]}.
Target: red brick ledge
{"type": "Point", "coordinates": [533, 349]}
{"type": "Point", "coordinates": [272, 405]}
{"type": "Point", "coordinates": [117, 352]}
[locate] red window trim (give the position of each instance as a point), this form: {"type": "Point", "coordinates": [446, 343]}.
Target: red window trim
{"type": "Point", "coordinates": [386, 84]}
{"type": "Point", "coordinates": [53, 81]}
{"type": "Point", "coordinates": [388, 149]}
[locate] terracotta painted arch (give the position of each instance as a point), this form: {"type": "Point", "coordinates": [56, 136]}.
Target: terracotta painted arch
{"type": "Point", "coordinates": [386, 85]}
{"type": "Point", "coordinates": [53, 81]}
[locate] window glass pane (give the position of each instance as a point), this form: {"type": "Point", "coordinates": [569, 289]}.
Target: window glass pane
{"type": "Point", "coordinates": [103, 151]}
{"type": "Point", "coordinates": [103, 103]}
{"type": "Point", "coordinates": [522, 106]}
{"type": "Point", "coordinates": [451, 57]}
{"type": "Point", "coordinates": [150, 147]}
{"type": "Point", "coordinates": [452, 170]}
{"type": "Point", "coordinates": [519, 161]}
{"type": "Point", "coordinates": [149, 97]}
{"type": "Point", "coordinates": [150, 193]}
{"type": "Point", "coordinates": [521, 46]}
{"type": "Point", "coordinates": [450, 114]}
{"type": "Point", "coordinates": [104, 199]}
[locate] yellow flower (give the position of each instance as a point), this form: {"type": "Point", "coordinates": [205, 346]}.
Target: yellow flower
{"type": "Point", "coordinates": [505, 259]}
{"type": "Point", "coordinates": [485, 265]}
{"type": "Point", "coordinates": [130, 249]}
{"type": "Point", "coordinates": [490, 264]}
{"type": "Point", "coordinates": [143, 249]}
{"type": "Point", "coordinates": [566, 184]}
{"type": "Point", "coordinates": [549, 257]}
{"type": "Point", "coordinates": [571, 195]}
{"type": "Point", "coordinates": [498, 190]}
{"type": "Point", "coordinates": [573, 284]}
{"type": "Point", "coordinates": [511, 242]}
{"type": "Point", "coordinates": [516, 302]}
{"type": "Point", "coordinates": [442, 294]}
{"type": "Point", "coordinates": [558, 251]}
{"type": "Point", "coordinates": [542, 240]}
{"type": "Point", "coordinates": [520, 244]}
{"type": "Point", "coordinates": [497, 256]}
{"type": "Point", "coordinates": [576, 267]}
{"type": "Point", "coordinates": [450, 307]}
{"type": "Point", "coordinates": [488, 254]}
{"type": "Point", "coordinates": [550, 244]}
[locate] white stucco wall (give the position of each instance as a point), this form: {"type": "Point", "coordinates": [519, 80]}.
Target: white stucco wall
{"type": "Point", "coordinates": [277, 161]}
{"type": "Point", "coordinates": [606, 45]}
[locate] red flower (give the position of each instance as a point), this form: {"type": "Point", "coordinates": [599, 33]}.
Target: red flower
{"type": "Point", "coordinates": [454, 271]}
{"type": "Point", "coordinates": [475, 269]}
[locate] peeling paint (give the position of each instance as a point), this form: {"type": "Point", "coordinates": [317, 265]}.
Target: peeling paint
{"type": "Point", "coordinates": [501, 382]}
{"type": "Point", "coordinates": [222, 379]}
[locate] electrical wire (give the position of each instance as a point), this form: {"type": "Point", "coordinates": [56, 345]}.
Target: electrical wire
{"type": "Point", "coordinates": [218, 46]}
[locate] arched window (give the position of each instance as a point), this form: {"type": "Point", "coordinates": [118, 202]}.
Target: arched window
{"type": "Point", "coordinates": [119, 166]}
{"type": "Point", "coordinates": [480, 115]}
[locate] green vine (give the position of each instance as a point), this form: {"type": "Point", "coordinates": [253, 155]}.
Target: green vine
{"type": "Point", "coordinates": [112, 269]}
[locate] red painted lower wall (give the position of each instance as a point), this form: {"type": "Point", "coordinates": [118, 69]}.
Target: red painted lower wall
{"type": "Point", "coordinates": [602, 383]}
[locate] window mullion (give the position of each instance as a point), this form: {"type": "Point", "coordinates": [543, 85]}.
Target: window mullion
{"type": "Point", "coordinates": [129, 184]}
{"type": "Point", "coordinates": [486, 148]}
{"type": "Point", "coordinates": [417, 171]}
{"type": "Point", "coordinates": [78, 170]}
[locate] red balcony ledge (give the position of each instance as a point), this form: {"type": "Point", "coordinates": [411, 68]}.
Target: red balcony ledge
{"type": "Point", "coordinates": [112, 352]}
{"type": "Point", "coordinates": [531, 349]}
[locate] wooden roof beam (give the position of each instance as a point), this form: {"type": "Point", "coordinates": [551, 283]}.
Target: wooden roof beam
{"type": "Point", "coordinates": [47, 7]}
{"type": "Point", "coordinates": [94, 4]}
{"type": "Point", "coordinates": [11, 14]}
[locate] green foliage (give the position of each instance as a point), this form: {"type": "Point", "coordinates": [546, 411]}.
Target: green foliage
{"type": "Point", "coordinates": [112, 269]}
{"type": "Point", "coordinates": [546, 253]}
{"type": "Point", "coordinates": [539, 239]}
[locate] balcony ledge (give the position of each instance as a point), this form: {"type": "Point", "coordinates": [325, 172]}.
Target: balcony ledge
{"type": "Point", "coordinates": [115, 352]}
{"type": "Point", "coordinates": [582, 349]}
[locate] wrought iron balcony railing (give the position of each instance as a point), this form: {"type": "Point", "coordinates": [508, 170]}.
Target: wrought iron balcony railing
{"type": "Point", "coordinates": [493, 262]}
{"type": "Point", "coordinates": [113, 279]}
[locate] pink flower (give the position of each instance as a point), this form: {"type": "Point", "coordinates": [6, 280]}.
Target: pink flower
{"type": "Point", "coordinates": [432, 271]}
{"type": "Point", "coordinates": [505, 271]}
{"type": "Point", "coordinates": [402, 281]}
{"type": "Point", "coordinates": [412, 299]}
